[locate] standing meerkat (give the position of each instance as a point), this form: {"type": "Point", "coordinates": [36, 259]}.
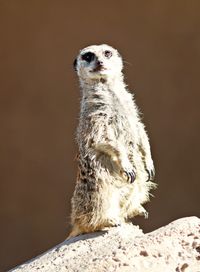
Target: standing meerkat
{"type": "Point", "coordinates": [115, 170]}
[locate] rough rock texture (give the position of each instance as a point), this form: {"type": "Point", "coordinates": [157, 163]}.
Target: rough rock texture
{"type": "Point", "coordinates": [175, 247]}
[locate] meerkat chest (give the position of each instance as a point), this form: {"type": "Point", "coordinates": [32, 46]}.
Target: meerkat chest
{"type": "Point", "coordinates": [109, 111]}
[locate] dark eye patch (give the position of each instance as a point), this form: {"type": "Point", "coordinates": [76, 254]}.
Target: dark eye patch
{"type": "Point", "coordinates": [89, 56]}
{"type": "Point", "coordinates": [108, 54]}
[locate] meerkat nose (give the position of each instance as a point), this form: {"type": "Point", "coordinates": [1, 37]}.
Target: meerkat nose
{"type": "Point", "coordinates": [100, 63]}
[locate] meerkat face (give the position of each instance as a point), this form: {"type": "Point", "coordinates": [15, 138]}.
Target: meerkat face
{"type": "Point", "coordinates": [98, 61]}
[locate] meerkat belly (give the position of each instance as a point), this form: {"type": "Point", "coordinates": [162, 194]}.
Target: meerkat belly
{"type": "Point", "coordinates": [118, 119]}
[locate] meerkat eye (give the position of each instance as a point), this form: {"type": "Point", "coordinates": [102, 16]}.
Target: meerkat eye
{"type": "Point", "coordinates": [108, 54]}
{"type": "Point", "coordinates": [88, 57]}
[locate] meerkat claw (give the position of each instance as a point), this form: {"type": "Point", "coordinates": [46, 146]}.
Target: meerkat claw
{"type": "Point", "coordinates": [130, 176]}
{"type": "Point", "coordinates": [146, 215]}
{"type": "Point", "coordinates": [151, 175]}
{"type": "Point", "coordinates": [117, 225]}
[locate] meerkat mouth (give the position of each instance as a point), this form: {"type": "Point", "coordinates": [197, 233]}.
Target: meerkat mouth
{"type": "Point", "coordinates": [99, 68]}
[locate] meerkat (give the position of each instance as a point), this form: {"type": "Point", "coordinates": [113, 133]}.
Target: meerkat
{"type": "Point", "coordinates": [115, 166]}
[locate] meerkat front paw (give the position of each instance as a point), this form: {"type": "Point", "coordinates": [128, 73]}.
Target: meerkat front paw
{"type": "Point", "coordinates": [128, 170]}
{"type": "Point", "coordinates": [129, 173]}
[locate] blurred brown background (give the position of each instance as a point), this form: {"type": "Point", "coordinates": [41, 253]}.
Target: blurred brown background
{"type": "Point", "coordinates": [39, 104]}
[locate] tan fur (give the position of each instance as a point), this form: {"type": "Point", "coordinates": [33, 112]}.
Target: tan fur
{"type": "Point", "coordinates": [112, 145]}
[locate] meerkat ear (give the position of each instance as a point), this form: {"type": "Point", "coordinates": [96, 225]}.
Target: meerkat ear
{"type": "Point", "coordinates": [75, 64]}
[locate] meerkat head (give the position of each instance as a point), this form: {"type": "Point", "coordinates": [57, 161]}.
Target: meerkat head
{"type": "Point", "coordinates": [97, 62]}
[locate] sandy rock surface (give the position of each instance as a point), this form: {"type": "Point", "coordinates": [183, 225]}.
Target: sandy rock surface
{"type": "Point", "coordinates": [175, 247]}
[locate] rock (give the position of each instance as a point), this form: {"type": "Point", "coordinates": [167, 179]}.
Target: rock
{"type": "Point", "coordinates": [175, 247]}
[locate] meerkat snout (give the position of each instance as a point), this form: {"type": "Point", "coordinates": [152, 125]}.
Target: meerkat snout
{"type": "Point", "coordinates": [99, 66]}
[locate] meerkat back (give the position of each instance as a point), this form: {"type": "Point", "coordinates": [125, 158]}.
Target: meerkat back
{"type": "Point", "coordinates": [115, 167]}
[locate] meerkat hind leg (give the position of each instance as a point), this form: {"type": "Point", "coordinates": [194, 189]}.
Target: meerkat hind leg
{"type": "Point", "coordinates": [132, 200]}
{"type": "Point", "coordinates": [76, 231]}
{"type": "Point", "coordinates": [132, 211]}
